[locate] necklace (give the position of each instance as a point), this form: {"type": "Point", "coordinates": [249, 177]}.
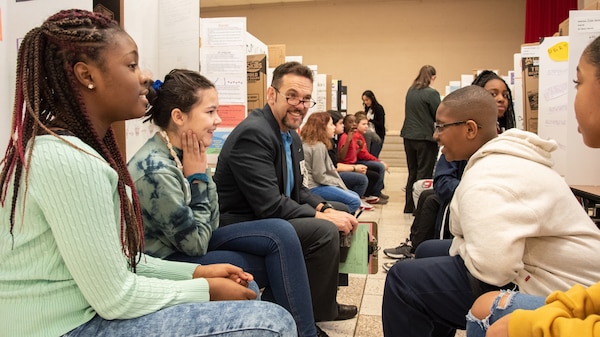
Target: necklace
{"type": "Point", "coordinates": [165, 137]}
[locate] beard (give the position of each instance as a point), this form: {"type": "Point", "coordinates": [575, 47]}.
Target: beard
{"type": "Point", "coordinates": [291, 123]}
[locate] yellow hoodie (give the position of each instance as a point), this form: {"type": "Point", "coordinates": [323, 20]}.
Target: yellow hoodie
{"type": "Point", "coordinates": [573, 313]}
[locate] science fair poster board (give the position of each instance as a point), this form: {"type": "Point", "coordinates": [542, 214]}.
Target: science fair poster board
{"type": "Point", "coordinates": [18, 18]}
{"type": "Point", "coordinates": [517, 91]}
{"type": "Point", "coordinates": [553, 96]}
{"type": "Point", "coordinates": [582, 162]}
{"type": "Point", "coordinates": [170, 42]}
{"type": "Point", "coordinates": [224, 61]}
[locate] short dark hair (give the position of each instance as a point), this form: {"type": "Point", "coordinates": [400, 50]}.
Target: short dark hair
{"type": "Point", "coordinates": [293, 67]}
{"type": "Point", "coordinates": [335, 115]}
{"type": "Point", "coordinates": [473, 102]}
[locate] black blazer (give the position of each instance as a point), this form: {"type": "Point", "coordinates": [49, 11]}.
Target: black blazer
{"type": "Point", "coordinates": [251, 173]}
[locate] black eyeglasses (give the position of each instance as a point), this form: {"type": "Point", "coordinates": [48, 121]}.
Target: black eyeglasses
{"type": "Point", "coordinates": [440, 127]}
{"type": "Point", "coordinates": [293, 101]}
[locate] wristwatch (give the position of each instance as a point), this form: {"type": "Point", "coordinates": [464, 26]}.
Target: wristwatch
{"type": "Point", "coordinates": [325, 206]}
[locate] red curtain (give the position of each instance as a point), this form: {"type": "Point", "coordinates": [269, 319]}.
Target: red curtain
{"type": "Point", "coordinates": [542, 17]}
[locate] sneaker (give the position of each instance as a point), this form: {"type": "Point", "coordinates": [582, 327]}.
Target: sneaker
{"type": "Point", "coordinates": [382, 201]}
{"type": "Point", "coordinates": [371, 198]}
{"type": "Point", "coordinates": [386, 266]}
{"type": "Point", "coordinates": [365, 207]}
{"type": "Point", "coordinates": [404, 251]}
{"type": "Point", "coordinates": [384, 196]}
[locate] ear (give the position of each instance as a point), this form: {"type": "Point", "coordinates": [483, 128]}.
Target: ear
{"type": "Point", "coordinates": [83, 74]}
{"type": "Point", "coordinates": [472, 129]}
{"type": "Point", "coordinates": [271, 95]}
{"type": "Point", "coordinates": [178, 117]}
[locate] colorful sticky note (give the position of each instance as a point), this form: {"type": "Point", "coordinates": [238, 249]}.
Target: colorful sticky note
{"type": "Point", "coordinates": [559, 52]}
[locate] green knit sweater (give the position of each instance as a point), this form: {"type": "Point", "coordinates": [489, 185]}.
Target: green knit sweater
{"type": "Point", "coordinates": [64, 263]}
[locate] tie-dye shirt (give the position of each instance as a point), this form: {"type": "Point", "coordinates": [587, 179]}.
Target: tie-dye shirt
{"type": "Point", "coordinates": [178, 216]}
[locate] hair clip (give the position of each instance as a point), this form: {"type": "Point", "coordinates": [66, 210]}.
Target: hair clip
{"type": "Point", "coordinates": [157, 84]}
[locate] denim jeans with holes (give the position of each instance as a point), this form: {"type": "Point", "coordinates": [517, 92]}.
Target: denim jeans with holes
{"type": "Point", "coordinates": [514, 301]}
{"type": "Point", "coordinates": [214, 319]}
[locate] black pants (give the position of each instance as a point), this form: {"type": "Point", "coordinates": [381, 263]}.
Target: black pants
{"type": "Point", "coordinates": [423, 226]}
{"type": "Point", "coordinates": [428, 296]}
{"type": "Point", "coordinates": [373, 177]}
{"type": "Point", "coordinates": [320, 241]}
{"type": "Point", "coordinates": [421, 156]}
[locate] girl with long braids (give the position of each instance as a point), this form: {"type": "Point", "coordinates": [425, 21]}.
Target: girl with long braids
{"type": "Point", "coordinates": [71, 242]}
{"type": "Point", "coordinates": [180, 207]}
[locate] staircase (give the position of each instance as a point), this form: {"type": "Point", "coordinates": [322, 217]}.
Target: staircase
{"type": "Point", "coordinates": [393, 150]}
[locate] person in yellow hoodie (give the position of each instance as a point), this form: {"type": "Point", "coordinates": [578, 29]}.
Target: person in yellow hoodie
{"type": "Point", "coordinates": [575, 312]}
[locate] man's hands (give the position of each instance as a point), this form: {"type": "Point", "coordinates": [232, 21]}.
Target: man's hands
{"type": "Point", "coordinates": [345, 222]}
{"type": "Point", "coordinates": [226, 282]}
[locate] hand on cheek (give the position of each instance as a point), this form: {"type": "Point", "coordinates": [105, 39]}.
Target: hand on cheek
{"type": "Point", "coordinates": [194, 154]}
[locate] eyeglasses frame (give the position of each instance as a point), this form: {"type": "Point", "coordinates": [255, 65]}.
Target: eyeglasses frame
{"type": "Point", "coordinates": [311, 101]}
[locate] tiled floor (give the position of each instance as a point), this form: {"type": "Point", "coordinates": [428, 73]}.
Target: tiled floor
{"type": "Point", "coordinates": [366, 291]}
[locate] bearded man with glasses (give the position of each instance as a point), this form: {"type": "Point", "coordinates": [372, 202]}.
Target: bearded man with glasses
{"type": "Point", "coordinates": [259, 175]}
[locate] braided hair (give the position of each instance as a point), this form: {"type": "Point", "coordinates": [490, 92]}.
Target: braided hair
{"type": "Point", "coordinates": [46, 99]}
{"type": "Point", "coordinates": [508, 120]}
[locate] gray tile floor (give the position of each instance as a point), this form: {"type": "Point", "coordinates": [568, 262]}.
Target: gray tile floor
{"type": "Point", "coordinates": [366, 291]}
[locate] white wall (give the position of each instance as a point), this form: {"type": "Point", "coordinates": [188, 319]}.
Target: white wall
{"type": "Point", "coordinates": [17, 19]}
{"type": "Point", "coordinates": [166, 33]}
{"type": "Point", "coordinates": [5, 102]}
{"type": "Point", "coordinates": [582, 162]}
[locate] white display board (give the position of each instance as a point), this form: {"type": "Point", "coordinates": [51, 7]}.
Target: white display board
{"type": "Point", "coordinates": [5, 78]}
{"type": "Point", "coordinates": [583, 162]}
{"type": "Point", "coordinates": [517, 91]}
{"type": "Point", "coordinates": [170, 42]}
{"type": "Point", "coordinates": [18, 18]}
{"type": "Point", "coordinates": [224, 61]}
{"type": "Point", "coordinates": [553, 96]}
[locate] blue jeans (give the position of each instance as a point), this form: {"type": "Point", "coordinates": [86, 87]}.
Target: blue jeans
{"type": "Point", "coordinates": [376, 148]}
{"type": "Point", "coordinates": [355, 181]}
{"type": "Point", "coordinates": [515, 300]}
{"type": "Point", "coordinates": [379, 168]}
{"type": "Point", "coordinates": [335, 193]}
{"type": "Point", "coordinates": [270, 250]}
{"type": "Point", "coordinates": [222, 318]}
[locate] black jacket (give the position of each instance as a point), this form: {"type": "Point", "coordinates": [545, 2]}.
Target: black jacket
{"type": "Point", "coordinates": [251, 173]}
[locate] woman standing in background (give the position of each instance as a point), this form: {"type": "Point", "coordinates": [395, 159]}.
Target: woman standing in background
{"type": "Point", "coordinates": [421, 149]}
{"type": "Point", "coordinates": [376, 115]}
